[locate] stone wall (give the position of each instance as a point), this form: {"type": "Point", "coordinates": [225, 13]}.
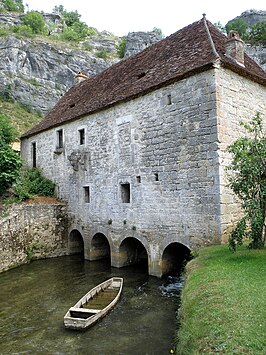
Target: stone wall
{"type": "Point", "coordinates": [161, 146]}
{"type": "Point", "coordinates": [238, 99]}
{"type": "Point", "coordinates": [32, 232]}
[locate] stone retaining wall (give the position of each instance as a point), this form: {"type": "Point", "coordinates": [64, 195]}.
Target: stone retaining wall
{"type": "Point", "coordinates": [32, 232]}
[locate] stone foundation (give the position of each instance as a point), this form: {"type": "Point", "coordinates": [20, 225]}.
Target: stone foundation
{"type": "Point", "coordinates": [32, 232]}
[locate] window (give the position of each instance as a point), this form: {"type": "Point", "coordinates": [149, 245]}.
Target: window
{"type": "Point", "coordinates": [81, 136]}
{"type": "Point", "coordinates": [33, 154]}
{"type": "Point", "coordinates": [125, 192]}
{"type": "Point", "coordinates": [59, 138]}
{"type": "Point", "coordinates": [169, 99]}
{"type": "Point", "coordinates": [156, 176]}
{"type": "Point", "coordinates": [138, 179]}
{"type": "Point", "coordinates": [86, 194]}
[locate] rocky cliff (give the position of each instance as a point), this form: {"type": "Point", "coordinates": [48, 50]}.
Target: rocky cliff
{"type": "Point", "coordinates": [37, 72]}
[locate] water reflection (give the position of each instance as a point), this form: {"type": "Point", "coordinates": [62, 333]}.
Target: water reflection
{"type": "Point", "coordinates": [35, 297]}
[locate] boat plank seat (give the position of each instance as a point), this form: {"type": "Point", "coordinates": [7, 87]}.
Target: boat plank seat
{"type": "Point", "coordinates": [84, 310]}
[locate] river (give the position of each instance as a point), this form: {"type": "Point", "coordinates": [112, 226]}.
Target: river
{"type": "Point", "coordinates": [35, 297]}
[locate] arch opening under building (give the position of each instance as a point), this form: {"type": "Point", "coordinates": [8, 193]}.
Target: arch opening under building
{"type": "Point", "coordinates": [133, 252]}
{"type": "Point", "coordinates": [174, 259]}
{"type": "Point", "coordinates": [75, 243]}
{"type": "Point", "coordinates": [100, 247]}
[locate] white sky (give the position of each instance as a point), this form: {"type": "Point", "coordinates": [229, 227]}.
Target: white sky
{"type": "Point", "coordinates": [121, 17]}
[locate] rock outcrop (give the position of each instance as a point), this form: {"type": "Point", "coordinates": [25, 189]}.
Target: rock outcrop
{"type": "Point", "coordinates": [137, 41]}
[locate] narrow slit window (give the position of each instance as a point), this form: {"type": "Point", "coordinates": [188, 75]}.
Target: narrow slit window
{"type": "Point", "coordinates": [125, 192]}
{"type": "Point", "coordinates": [87, 197]}
{"type": "Point", "coordinates": [34, 154]}
{"type": "Point", "coordinates": [169, 99]}
{"type": "Point", "coordinates": [60, 138]}
{"type": "Point", "coordinates": [82, 136]}
{"type": "Point", "coordinates": [156, 176]}
{"type": "Point", "coordinates": [138, 179]}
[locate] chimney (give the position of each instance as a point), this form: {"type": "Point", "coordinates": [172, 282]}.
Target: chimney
{"type": "Point", "coordinates": [79, 77]}
{"type": "Point", "coordinates": [234, 48]}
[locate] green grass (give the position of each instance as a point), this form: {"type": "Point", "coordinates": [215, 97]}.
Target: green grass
{"type": "Point", "coordinates": [19, 116]}
{"type": "Point", "coordinates": [223, 308]}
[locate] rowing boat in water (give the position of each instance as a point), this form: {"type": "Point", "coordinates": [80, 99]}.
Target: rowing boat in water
{"type": "Point", "coordinates": [94, 305]}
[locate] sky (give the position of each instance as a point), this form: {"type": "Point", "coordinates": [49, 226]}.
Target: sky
{"type": "Point", "coordinates": [121, 17]}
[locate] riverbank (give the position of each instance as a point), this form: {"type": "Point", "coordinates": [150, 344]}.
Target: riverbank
{"type": "Point", "coordinates": [223, 309]}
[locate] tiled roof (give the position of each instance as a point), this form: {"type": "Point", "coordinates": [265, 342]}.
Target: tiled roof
{"type": "Point", "coordinates": [190, 50]}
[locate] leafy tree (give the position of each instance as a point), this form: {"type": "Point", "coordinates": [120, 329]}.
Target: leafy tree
{"type": "Point", "coordinates": [238, 25]}
{"type": "Point", "coordinates": [257, 34]}
{"type": "Point", "coordinates": [10, 162]}
{"type": "Point", "coordinates": [121, 48]}
{"type": "Point", "coordinates": [220, 27]}
{"type": "Point", "coordinates": [247, 178]}
{"type": "Point", "coordinates": [35, 21]}
{"type": "Point", "coordinates": [13, 5]}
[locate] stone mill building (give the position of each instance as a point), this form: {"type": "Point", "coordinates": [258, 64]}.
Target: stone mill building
{"type": "Point", "coordinates": [138, 151]}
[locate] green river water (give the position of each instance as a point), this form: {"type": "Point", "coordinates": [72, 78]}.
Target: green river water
{"type": "Point", "coordinates": [35, 297]}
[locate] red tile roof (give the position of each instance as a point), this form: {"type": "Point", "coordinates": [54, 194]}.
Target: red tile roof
{"type": "Point", "coordinates": [192, 49]}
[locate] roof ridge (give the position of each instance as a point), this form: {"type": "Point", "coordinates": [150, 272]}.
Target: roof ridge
{"type": "Point", "coordinates": [210, 37]}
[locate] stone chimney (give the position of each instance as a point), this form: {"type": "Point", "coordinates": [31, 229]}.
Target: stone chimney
{"type": "Point", "coordinates": [79, 77]}
{"type": "Point", "coordinates": [234, 47]}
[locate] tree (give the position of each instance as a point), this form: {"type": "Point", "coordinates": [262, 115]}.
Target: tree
{"type": "Point", "coordinates": [13, 5]}
{"type": "Point", "coordinates": [247, 178]}
{"type": "Point", "coordinates": [10, 161]}
{"type": "Point", "coordinates": [35, 21]}
{"type": "Point", "coordinates": [257, 34]}
{"type": "Point", "coordinates": [238, 25]}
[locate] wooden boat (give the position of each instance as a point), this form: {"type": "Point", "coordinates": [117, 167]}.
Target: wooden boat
{"type": "Point", "coordinates": [94, 305]}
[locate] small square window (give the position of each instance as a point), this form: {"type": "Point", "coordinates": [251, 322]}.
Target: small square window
{"type": "Point", "coordinates": [125, 192]}
{"type": "Point", "coordinates": [138, 179]}
{"type": "Point", "coordinates": [59, 134]}
{"type": "Point", "coordinates": [81, 136]}
{"type": "Point", "coordinates": [86, 194]}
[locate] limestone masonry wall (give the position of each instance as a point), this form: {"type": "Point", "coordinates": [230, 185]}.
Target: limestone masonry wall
{"type": "Point", "coordinates": [32, 232]}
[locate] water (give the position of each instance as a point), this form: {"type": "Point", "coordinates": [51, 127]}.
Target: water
{"type": "Point", "coordinates": [35, 297]}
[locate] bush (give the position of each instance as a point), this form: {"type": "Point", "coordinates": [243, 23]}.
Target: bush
{"type": "Point", "coordinates": [13, 5]}
{"type": "Point", "coordinates": [31, 182]}
{"type": "Point", "coordinates": [102, 53]}
{"type": "Point", "coordinates": [10, 162]}
{"type": "Point", "coordinates": [23, 30]}
{"type": "Point", "coordinates": [35, 21]}
{"type": "Point", "coordinates": [121, 48]}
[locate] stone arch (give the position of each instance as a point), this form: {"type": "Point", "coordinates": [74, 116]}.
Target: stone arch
{"type": "Point", "coordinates": [100, 247]}
{"type": "Point", "coordinates": [174, 257]}
{"type": "Point", "coordinates": [75, 242]}
{"type": "Point", "coordinates": [132, 252]}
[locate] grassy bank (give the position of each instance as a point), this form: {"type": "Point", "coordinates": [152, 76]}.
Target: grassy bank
{"type": "Point", "coordinates": [223, 307]}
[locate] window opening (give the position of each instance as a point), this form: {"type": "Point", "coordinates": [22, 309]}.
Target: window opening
{"type": "Point", "coordinates": [156, 176]}
{"type": "Point", "coordinates": [60, 138]}
{"type": "Point", "coordinates": [138, 179]}
{"type": "Point", "coordinates": [86, 194]}
{"type": "Point", "coordinates": [169, 99]}
{"type": "Point", "coordinates": [125, 192]}
{"type": "Point", "coordinates": [33, 145]}
{"type": "Point", "coordinates": [141, 75]}
{"type": "Point", "coordinates": [72, 105]}
{"type": "Point", "coordinates": [82, 136]}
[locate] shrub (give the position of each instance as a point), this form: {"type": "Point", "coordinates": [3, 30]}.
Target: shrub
{"type": "Point", "coordinates": [13, 5]}
{"type": "Point", "coordinates": [32, 182]}
{"type": "Point", "coordinates": [121, 48]}
{"type": "Point", "coordinates": [10, 162]}
{"type": "Point", "coordinates": [35, 21]}
{"type": "Point", "coordinates": [102, 53]}
{"type": "Point", "coordinates": [23, 30]}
